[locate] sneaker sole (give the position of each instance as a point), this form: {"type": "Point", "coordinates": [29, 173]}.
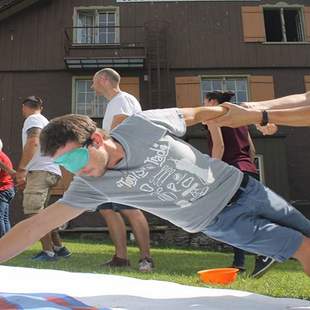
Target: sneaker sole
{"type": "Point", "coordinates": [65, 256]}
{"type": "Point", "coordinates": [262, 271]}
{"type": "Point", "coordinates": [146, 271]}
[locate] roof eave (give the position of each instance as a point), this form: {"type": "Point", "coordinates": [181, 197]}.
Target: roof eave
{"type": "Point", "coordinates": [15, 7]}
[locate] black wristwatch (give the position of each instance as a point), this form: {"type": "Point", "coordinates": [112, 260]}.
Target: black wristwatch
{"type": "Point", "coordinates": [265, 118]}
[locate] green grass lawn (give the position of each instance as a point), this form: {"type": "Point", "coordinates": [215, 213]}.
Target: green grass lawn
{"type": "Point", "coordinates": [176, 265]}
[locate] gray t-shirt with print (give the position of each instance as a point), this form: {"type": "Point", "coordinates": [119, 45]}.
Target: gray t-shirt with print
{"type": "Point", "coordinates": [160, 174]}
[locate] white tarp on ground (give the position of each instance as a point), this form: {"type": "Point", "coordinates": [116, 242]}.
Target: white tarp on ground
{"type": "Point", "coordinates": [118, 292]}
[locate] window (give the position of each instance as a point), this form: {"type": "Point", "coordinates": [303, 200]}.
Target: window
{"type": "Point", "coordinates": [283, 24]}
{"type": "Point", "coordinates": [259, 162]}
{"type": "Point", "coordinates": [96, 26]}
{"type": "Point", "coordinates": [239, 85]}
{"type": "Point", "coordinates": [85, 100]}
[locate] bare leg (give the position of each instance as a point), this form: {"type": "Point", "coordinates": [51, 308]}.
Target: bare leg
{"type": "Point", "coordinates": [303, 255]}
{"type": "Point", "coordinates": [140, 229]}
{"type": "Point", "coordinates": [56, 241]}
{"type": "Point", "coordinates": [117, 231]}
{"type": "Point", "coordinates": [46, 242]}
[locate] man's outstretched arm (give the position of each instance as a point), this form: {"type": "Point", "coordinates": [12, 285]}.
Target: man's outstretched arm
{"type": "Point", "coordinates": [25, 233]}
{"type": "Point", "coordinates": [287, 102]}
{"type": "Point", "coordinates": [193, 116]}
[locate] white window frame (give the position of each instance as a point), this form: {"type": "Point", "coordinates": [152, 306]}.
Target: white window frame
{"type": "Point", "coordinates": [281, 6]}
{"type": "Point", "coordinates": [260, 168]}
{"type": "Point", "coordinates": [97, 10]}
{"type": "Point", "coordinates": [225, 78]}
{"type": "Point", "coordinates": [73, 105]}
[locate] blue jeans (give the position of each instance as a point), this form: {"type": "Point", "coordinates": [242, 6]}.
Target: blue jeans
{"type": "Point", "coordinates": [261, 222]}
{"type": "Point", "coordinates": [5, 198]}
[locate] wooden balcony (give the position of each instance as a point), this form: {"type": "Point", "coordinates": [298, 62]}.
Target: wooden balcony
{"type": "Point", "coordinates": [98, 47]}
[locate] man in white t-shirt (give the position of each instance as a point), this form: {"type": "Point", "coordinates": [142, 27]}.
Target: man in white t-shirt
{"type": "Point", "coordinates": [106, 83]}
{"type": "Point", "coordinates": [36, 175]}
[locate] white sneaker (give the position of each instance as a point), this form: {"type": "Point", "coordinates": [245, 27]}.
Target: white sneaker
{"type": "Point", "coordinates": [146, 264]}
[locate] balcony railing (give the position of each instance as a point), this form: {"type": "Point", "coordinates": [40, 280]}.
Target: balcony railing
{"type": "Point", "coordinates": [108, 36]}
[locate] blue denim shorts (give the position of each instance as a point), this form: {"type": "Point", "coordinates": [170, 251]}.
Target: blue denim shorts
{"type": "Point", "coordinates": [262, 222]}
{"type": "Point", "coordinates": [114, 206]}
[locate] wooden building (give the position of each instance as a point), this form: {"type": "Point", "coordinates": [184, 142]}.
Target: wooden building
{"type": "Point", "coordinates": [169, 53]}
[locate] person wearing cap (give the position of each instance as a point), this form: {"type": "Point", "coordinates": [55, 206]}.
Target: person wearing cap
{"type": "Point", "coordinates": [106, 83]}
{"type": "Point", "coordinates": [144, 163]}
{"type": "Point", "coordinates": [7, 191]}
{"type": "Point", "coordinates": [36, 175]}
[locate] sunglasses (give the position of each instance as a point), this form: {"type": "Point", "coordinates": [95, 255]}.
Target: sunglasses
{"type": "Point", "coordinates": [76, 159]}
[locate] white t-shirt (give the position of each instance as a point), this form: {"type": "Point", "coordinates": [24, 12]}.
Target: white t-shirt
{"type": "Point", "coordinates": [122, 103]}
{"type": "Point", "coordinates": [38, 162]}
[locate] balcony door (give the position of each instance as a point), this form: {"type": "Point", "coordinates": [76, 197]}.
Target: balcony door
{"type": "Point", "coordinates": [97, 27]}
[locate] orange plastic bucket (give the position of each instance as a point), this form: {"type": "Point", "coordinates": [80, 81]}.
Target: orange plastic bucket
{"type": "Point", "coordinates": [218, 275]}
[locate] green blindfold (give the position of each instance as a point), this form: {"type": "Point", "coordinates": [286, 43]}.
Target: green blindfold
{"type": "Point", "coordinates": [74, 160]}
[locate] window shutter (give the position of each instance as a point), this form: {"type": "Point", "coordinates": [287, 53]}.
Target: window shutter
{"type": "Point", "coordinates": [253, 24]}
{"type": "Point", "coordinates": [131, 85]}
{"type": "Point", "coordinates": [307, 82]}
{"type": "Point", "coordinates": [261, 87]}
{"type": "Point", "coordinates": [187, 91]}
{"type": "Point", "coordinates": [307, 22]}
{"type": "Point", "coordinates": [63, 184]}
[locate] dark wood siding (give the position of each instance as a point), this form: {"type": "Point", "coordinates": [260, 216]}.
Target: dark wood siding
{"type": "Point", "coordinates": [201, 35]}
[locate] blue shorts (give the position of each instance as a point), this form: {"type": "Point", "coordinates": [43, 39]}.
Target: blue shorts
{"type": "Point", "coordinates": [114, 206]}
{"type": "Point", "coordinates": [261, 222]}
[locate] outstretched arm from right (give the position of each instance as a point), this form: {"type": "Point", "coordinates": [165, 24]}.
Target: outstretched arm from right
{"type": "Point", "coordinates": [287, 102]}
{"type": "Point", "coordinates": [291, 117]}
{"type": "Point", "coordinates": [25, 233]}
{"type": "Point", "coordinates": [238, 116]}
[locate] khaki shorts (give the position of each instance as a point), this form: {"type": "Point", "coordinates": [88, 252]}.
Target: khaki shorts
{"type": "Point", "coordinates": [37, 190]}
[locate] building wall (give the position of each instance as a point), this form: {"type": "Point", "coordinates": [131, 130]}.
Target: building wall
{"type": "Point", "coordinates": [201, 34]}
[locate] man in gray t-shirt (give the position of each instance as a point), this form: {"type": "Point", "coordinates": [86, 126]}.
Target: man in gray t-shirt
{"type": "Point", "coordinates": [146, 165]}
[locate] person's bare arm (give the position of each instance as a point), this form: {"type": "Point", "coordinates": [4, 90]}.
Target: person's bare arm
{"type": "Point", "coordinates": [218, 146]}
{"type": "Point", "coordinates": [238, 116]}
{"type": "Point", "coordinates": [30, 148]}
{"type": "Point", "coordinates": [25, 233]}
{"type": "Point", "coordinates": [298, 117]}
{"type": "Point", "coordinates": [193, 116]}
{"type": "Point", "coordinates": [287, 102]}
{"type": "Point", "coordinates": [252, 150]}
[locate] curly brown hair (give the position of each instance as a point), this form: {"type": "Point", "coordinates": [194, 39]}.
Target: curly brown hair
{"type": "Point", "coordinates": [67, 128]}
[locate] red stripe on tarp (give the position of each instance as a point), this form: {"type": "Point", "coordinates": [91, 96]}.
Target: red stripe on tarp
{"type": "Point", "coordinates": [58, 301]}
{"type": "Point", "coordinates": [84, 308]}
{"type": "Point", "coordinates": [4, 305]}
{"type": "Point", "coordinates": [63, 302]}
